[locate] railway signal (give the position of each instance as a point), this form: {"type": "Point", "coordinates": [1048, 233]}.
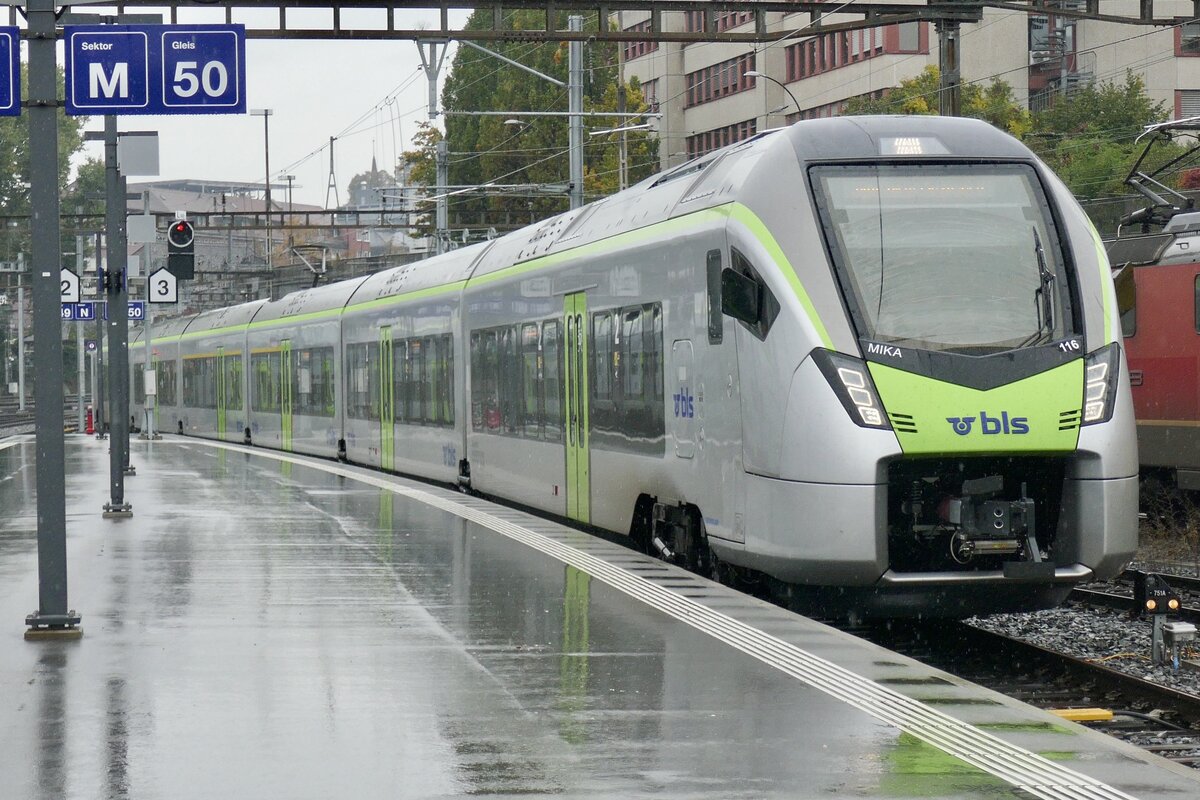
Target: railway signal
{"type": "Point", "coordinates": [181, 250]}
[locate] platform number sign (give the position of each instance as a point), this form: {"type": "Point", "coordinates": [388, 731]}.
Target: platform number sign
{"type": "Point", "coordinates": [68, 284]}
{"type": "Point", "coordinates": [164, 287]}
{"type": "Point", "coordinates": [155, 69]}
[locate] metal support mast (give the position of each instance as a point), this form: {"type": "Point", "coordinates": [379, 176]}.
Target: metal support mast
{"type": "Point", "coordinates": [575, 108]}
{"type": "Point", "coordinates": [52, 617]}
{"type": "Point", "coordinates": [118, 325]}
{"type": "Point", "coordinates": [949, 98]}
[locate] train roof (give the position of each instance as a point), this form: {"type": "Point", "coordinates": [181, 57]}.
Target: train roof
{"type": "Point", "coordinates": [442, 270]}
{"type": "Point", "coordinates": [308, 301]}
{"type": "Point", "coordinates": [850, 138]}
{"type": "Point", "coordinates": [225, 317]}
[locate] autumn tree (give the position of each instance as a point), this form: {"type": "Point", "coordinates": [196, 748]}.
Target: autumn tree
{"type": "Point", "coordinates": [993, 103]}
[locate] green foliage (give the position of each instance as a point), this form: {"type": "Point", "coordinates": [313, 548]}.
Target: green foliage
{"type": "Point", "coordinates": [994, 103]}
{"type": "Point", "coordinates": [1088, 137]}
{"type": "Point", "coordinates": [487, 149]}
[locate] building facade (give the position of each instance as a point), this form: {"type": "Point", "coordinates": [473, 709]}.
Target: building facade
{"type": "Point", "coordinates": [707, 100]}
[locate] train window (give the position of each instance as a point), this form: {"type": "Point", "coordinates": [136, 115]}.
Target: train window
{"type": "Point", "coordinates": [200, 382]}
{"type": "Point", "coordinates": [485, 386]}
{"type": "Point", "coordinates": [165, 371]}
{"type": "Point", "coordinates": [231, 366]}
{"type": "Point", "coordinates": [551, 385]}
{"type": "Point", "coordinates": [362, 381]}
{"type": "Point", "coordinates": [945, 257]}
{"type": "Point", "coordinates": [768, 305]}
{"type": "Point", "coordinates": [312, 381]}
{"type": "Point", "coordinates": [446, 383]}
{"type": "Point", "coordinates": [1197, 295]}
{"type": "Point", "coordinates": [625, 372]}
{"type": "Point", "coordinates": [716, 320]}
{"type": "Point", "coordinates": [265, 368]}
{"type": "Point", "coordinates": [531, 379]}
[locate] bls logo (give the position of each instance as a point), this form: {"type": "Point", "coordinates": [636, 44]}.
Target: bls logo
{"type": "Point", "coordinates": [685, 404]}
{"type": "Point", "coordinates": [1003, 424]}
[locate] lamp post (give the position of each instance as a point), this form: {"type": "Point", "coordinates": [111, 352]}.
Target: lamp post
{"type": "Point", "coordinates": [266, 113]}
{"type": "Point", "coordinates": [753, 73]}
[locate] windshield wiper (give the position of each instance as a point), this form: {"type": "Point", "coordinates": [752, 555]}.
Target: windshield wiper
{"type": "Point", "coordinates": [1043, 297]}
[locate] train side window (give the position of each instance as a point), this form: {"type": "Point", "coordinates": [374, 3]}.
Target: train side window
{"type": "Point", "coordinates": [1197, 294]}
{"type": "Point", "coordinates": [362, 386]}
{"type": "Point", "coordinates": [448, 380]}
{"type": "Point", "coordinates": [716, 320]}
{"type": "Point", "coordinates": [768, 305]}
{"type": "Point", "coordinates": [551, 386]}
{"type": "Point", "coordinates": [531, 393]}
{"type": "Point", "coordinates": [233, 381]}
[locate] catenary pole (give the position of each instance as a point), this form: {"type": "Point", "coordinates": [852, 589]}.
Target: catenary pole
{"type": "Point", "coordinates": [52, 617]}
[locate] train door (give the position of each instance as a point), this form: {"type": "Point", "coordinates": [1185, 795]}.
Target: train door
{"type": "Point", "coordinates": [221, 402]}
{"type": "Point", "coordinates": [575, 355]}
{"type": "Point", "coordinates": [387, 401]}
{"type": "Point", "coordinates": [285, 391]}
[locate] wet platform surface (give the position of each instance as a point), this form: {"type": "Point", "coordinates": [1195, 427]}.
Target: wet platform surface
{"type": "Point", "coordinates": [269, 629]}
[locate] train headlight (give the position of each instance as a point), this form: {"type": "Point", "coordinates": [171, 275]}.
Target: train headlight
{"type": "Point", "coordinates": [852, 384]}
{"type": "Point", "coordinates": [1100, 384]}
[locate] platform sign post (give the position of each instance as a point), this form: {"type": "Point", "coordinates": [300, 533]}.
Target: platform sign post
{"type": "Point", "coordinates": [117, 326]}
{"type": "Point", "coordinates": [53, 617]}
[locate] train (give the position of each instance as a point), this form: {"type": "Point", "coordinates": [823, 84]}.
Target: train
{"type": "Point", "coordinates": [875, 361]}
{"type": "Point", "coordinates": [1156, 258]}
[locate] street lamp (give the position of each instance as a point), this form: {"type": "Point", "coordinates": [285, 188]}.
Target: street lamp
{"type": "Point", "coordinates": [266, 113]}
{"type": "Point", "coordinates": [753, 73]}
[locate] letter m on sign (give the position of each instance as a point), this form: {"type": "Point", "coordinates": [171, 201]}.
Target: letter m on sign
{"type": "Point", "coordinates": [114, 85]}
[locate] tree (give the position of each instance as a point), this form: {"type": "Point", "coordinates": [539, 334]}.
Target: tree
{"type": "Point", "coordinates": [1088, 137]}
{"type": "Point", "coordinates": [533, 151]}
{"type": "Point", "coordinates": [994, 103]}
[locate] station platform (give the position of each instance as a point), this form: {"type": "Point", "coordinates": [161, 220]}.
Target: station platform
{"type": "Point", "coordinates": [270, 626]}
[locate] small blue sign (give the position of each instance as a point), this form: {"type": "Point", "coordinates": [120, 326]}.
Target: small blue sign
{"type": "Point", "coordinates": [135, 311]}
{"type": "Point", "coordinates": [10, 72]}
{"type": "Point", "coordinates": [90, 345]}
{"type": "Point", "coordinates": [155, 69]}
{"type": "Point", "coordinates": [78, 312]}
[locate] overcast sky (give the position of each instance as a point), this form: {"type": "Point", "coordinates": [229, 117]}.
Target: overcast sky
{"type": "Point", "coordinates": [369, 94]}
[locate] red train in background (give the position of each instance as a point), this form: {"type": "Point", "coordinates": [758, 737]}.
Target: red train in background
{"type": "Point", "coordinates": [1158, 290]}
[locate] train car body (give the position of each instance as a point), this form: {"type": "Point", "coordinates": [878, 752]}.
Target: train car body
{"type": "Point", "coordinates": [1161, 325]}
{"type": "Point", "coordinates": [876, 359]}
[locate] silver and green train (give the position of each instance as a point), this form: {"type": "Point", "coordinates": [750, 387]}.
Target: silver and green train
{"type": "Point", "coordinates": [874, 359]}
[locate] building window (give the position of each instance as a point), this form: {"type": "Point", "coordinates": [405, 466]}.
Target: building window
{"type": "Point", "coordinates": [719, 80]}
{"type": "Point", "coordinates": [1187, 103]}
{"type": "Point", "coordinates": [638, 49]}
{"type": "Point", "coordinates": [702, 143]}
{"type": "Point", "coordinates": [1187, 39]}
{"type": "Point", "coordinates": [650, 94]}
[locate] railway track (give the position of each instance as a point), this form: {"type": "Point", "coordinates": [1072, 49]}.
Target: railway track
{"type": "Point", "coordinates": [1140, 710]}
{"type": "Point", "coordinates": [14, 421]}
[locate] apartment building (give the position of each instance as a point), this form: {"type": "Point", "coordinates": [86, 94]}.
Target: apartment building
{"type": "Point", "coordinates": [707, 100]}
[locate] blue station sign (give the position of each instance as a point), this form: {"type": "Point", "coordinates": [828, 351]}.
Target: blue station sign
{"type": "Point", "coordinates": [10, 72]}
{"type": "Point", "coordinates": [155, 69]}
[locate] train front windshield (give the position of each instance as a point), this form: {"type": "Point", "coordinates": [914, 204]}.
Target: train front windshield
{"type": "Point", "coordinates": [958, 258]}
